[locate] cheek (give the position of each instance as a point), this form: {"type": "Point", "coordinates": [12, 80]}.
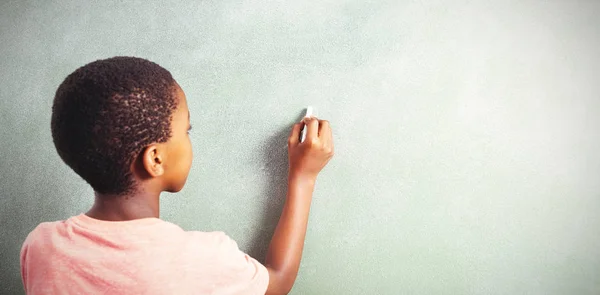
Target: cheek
{"type": "Point", "coordinates": [182, 167]}
{"type": "Point", "coordinates": [189, 154]}
{"type": "Point", "coordinates": [183, 155]}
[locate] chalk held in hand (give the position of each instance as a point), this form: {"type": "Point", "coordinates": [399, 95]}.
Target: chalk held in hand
{"type": "Point", "coordinates": [309, 113]}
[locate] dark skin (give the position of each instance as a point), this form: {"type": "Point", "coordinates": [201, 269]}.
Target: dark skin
{"type": "Point", "coordinates": [165, 167]}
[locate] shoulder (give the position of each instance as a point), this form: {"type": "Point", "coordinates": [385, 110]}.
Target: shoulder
{"type": "Point", "coordinates": [39, 237]}
{"type": "Point", "coordinates": [43, 231]}
{"type": "Point", "coordinates": [231, 268]}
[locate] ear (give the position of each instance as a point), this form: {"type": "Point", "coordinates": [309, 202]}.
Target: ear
{"type": "Point", "coordinates": [153, 160]}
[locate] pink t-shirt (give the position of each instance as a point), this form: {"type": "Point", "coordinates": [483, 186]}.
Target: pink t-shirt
{"type": "Point", "coordinates": [83, 255]}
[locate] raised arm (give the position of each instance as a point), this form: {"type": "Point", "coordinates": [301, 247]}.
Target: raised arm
{"type": "Point", "coordinates": [306, 161]}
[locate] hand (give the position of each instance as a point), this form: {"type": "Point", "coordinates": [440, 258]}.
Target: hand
{"type": "Point", "coordinates": [308, 158]}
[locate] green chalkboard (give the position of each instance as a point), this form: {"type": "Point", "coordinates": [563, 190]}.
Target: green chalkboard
{"type": "Point", "coordinates": [467, 132]}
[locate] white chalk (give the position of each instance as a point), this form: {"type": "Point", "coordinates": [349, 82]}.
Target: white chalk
{"type": "Point", "coordinates": [309, 112]}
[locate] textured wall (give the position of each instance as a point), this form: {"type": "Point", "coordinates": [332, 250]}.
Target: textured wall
{"type": "Point", "coordinates": [467, 132]}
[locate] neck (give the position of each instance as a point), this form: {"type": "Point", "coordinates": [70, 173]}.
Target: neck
{"type": "Point", "coordinates": [125, 207]}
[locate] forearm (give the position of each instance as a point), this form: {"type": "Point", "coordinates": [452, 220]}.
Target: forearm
{"type": "Point", "coordinates": [285, 250]}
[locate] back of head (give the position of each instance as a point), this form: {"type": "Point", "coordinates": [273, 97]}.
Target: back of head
{"type": "Point", "coordinates": [106, 112]}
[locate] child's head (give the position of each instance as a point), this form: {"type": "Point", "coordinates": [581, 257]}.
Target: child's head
{"type": "Point", "coordinates": [122, 124]}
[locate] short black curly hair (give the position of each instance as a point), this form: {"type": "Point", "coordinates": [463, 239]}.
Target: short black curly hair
{"type": "Point", "coordinates": [104, 115]}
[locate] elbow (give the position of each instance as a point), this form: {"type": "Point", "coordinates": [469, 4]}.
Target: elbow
{"type": "Point", "coordinates": [280, 282]}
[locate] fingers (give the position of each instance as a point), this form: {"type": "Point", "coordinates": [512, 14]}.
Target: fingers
{"type": "Point", "coordinates": [318, 130]}
{"type": "Point", "coordinates": [294, 138]}
{"type": "Point", "coordinates": [324, 129]}
{"type": "Point", "coordinates": [312, 128]}
{"type": "Point", "coordinates": [325, 135]}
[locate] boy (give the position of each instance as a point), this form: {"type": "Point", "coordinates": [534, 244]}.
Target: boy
{"type": "Point", "coordinates": [122, 124]}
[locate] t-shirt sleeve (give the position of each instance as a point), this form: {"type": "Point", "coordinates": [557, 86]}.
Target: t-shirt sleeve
{"type": "Point", "coordinates": [236, 271]}
{"type": "Point", "coordinates": [23, 258]}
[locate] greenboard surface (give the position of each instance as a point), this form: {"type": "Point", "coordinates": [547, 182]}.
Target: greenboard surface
{"type": "Point", "coordinates": [467, 132]}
